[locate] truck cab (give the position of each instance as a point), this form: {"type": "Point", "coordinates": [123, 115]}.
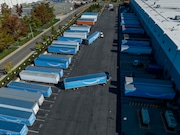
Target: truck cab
{"type": "Point", "coordinates": [109, 77]}
{"type": "Point", "coordinates": [101, 34]}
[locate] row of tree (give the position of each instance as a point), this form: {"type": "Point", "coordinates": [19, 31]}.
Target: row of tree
{"type": "Point", "coordinates": [14, 25]}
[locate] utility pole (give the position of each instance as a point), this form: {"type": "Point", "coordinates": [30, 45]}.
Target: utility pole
{"type": "Point", "coordinates": [31, 30]}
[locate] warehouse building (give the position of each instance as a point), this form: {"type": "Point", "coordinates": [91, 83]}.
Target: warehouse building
{"type": "Point", "coordinates": [161, 20]}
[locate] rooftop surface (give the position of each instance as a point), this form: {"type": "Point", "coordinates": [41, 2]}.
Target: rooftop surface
{"type": "Point", "coordinates": [164, 13]}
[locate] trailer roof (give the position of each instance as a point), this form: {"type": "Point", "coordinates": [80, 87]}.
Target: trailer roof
{"type": "Point", "coordinates": [86, 19]}
{"type": "Point", "coordinates": [73, 38]}
{"type": "Point", "coordinates": [54, 56]}
{"type": "Point", "coordinates": [11, 127]}
{"type": "Point", "coordinates": [36, 73]}
{"type": "Point", "coordinates": [15, 113]}
{"type": "Point", "coordinates": [30, 85]}
{"type": "Point", "coordinates": [16, 102]}
{"type": "Point", "coordinates": [80, 26]}
{"type": "Point", "coordinates": [63, 46]}
{"type": "Point", "coordinates": [19, 93]}
{"type": "Point", "coordinates": [50, 69]}
{"type": "Point", "coordinates": [89, 76]}
{"type": "Point", "coordinates": [52, 60]}
{"type": "Point", "coordinates": [77, 31]}
{"type": "Point", "coordinates": [147, 81]}
{"type": "Point", "coordinates": [148, 88]}
{"type": "Point", "coordinates": [93, 34]}
{"type": "Point", "coordinates": [67, 42]}
{"type": "Point", "coordinates": [90, 13]}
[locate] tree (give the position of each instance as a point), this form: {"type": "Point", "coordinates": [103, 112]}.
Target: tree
{"type": "Point", "coordinates": [43, 12]}
{"type": "Point", "coordinates": [8, 66]}
{"type": "Point", "coordinates": [34, 22]}
{"type": "Point", "coordinates": [53, 31]}
{"type": "Point", "coordinates": [14, 26]}
{"type": "Point", "coordinates": [19, 9]}
{"type": "Point", "coordinates": [5, 40]}
{"type": "Point", "coordinates": [39, 45]}
{"type": "Point", "coordinates": [60, 29]}
{"type": "Point", "coordinates": [5, 10]}
{"type": "Point", "coordinates": [44, 38]}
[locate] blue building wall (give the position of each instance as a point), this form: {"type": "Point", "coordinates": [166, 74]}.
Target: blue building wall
{"type": "Point", "coordinates": [164, 49]}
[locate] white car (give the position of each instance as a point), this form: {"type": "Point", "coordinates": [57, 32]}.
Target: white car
{"type": "Point", "coordinates": [101, 34]}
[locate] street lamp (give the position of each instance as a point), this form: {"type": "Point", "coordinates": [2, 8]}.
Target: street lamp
{"type": "Point", "coordinates": [31, 30]}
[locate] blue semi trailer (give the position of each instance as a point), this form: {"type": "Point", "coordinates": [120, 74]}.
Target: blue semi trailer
{"type": "Point", "coordinates": [70, 39]}
{"type": "Point", "coordinates": [137, 50]}
{"type": "Point", "coordinates": [66, 46]}
{"type": "Point", "coordinates": [62, 49]}
{"type": "Point", "coordinates": [135, 43]}
{"type": "Point", "coordinates": [132, 30]}
{"type": "Point", "coordinates": [128, 14]}
{"type": "Point", "coordinates": [19, 105]}
{"type": "Point", "coordinates": [45, 90]}
{"type": "Point", "coordinates": [86, 80]}
{"type": "Point", "coordinates": [55, 57]}
{"type": "Point", "coordinates": [80, 27]}
{"type": "Point", "coordinates": [137, 37]}
{"type": "Point", "coordinates": [51, 63]}
{"type": "Point", "coordinates": [46, 69]}
{"type": "Point", "coordinates": [65, 43]}
{"type": "Point", "coordinates": [148, 91]}
{"type": "Point", "coordinates": [92, 37]}
{"type": "Point", "coordinates": [86, 31]}
{"type": "Point", "coordinates": [148, 81]}
{"type": "Point", "coordinates": [17, 116]}
{"type": "Point", "coordinates": [127, 22]}
{"type": "Point", "coordinates": [129, 18]}
{"type": "Point", "coordinates": [10, 128]}
{"type": "Point", "coordinates": [21, 95]}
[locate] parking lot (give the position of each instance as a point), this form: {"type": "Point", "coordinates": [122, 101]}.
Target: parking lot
{"type": "Point", "coordinates": [88, 110]}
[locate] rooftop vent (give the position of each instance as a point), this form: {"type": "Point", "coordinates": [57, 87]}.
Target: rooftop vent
{"type": "Point", "coordinates": [157, 6]}
{"type": "Point", "coordinates": [177, 17]}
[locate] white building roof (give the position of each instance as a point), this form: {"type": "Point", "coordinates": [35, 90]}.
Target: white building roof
{"type": "Point", "coordinates": [164, 13]}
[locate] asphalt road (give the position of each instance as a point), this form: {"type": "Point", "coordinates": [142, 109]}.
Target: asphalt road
{"type": "Point", "coordinates": [90, 110]}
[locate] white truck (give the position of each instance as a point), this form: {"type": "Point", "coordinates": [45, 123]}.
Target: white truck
{"type": "Point", "coordinates": [111, 7]}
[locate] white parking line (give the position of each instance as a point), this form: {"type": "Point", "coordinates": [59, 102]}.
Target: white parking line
{"type": "Point", "coordinates": [50, 101]}
{"type": "Point", "coordinates": [33, 131]}
{"type": "Point", "coordinates": [44, 110]}
{"type": "Point", "coordinates": [40, 120]}
{"type": "Point", "coordinates": [55, 94]}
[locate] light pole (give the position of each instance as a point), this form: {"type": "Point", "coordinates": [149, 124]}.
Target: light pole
{"type": "Point", "coordinates": [31, 30]}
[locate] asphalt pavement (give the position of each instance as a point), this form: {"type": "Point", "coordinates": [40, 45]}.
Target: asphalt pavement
{"type": "Point", "coordinates": [89, 110]}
